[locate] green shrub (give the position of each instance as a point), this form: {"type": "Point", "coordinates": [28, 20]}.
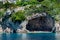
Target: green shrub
{"type": "Point", "coordinates": [18, 16]}
{"type": "Point", "coordinates": [1, 13]}
{"type": "Point", "coordinates": [1, 4]}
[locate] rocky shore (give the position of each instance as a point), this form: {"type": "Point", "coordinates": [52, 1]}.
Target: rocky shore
{"type": "Point", "coordinates": [34, 23]}
{"type": "Point", "coordinates": [7, 30]}
{"type": "Point", "coordinates": [35, 19]}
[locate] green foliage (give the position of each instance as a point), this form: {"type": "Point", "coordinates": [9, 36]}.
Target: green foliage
{"type": "Point", "coordinates": [52, 7]}
{"type": "Point", "coordinates": [1, 13]}
{"type": "Point", "coordinates": [18, 16]}
{"type": "Point", "coordinates": [33, 2]}
{"type": "Point", "coordinates": [1, 5]}
{"type": "Point", "coordinates": [18, 3]}
{"type": "Point", "coordinates": [26, 2]}
{"type": "Point", "coordinates": [40, 0]}
{"type": "Point", "coordinates": [9, 5]}
{"type": "Point", "coordinates": [35, 9]}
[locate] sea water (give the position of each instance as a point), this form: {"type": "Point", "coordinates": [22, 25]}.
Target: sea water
{"type": "Point", "coordinates": [30, 36]}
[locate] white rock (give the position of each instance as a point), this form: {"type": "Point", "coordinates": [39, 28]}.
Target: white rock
{"type": "Point", "coordinates": [57, 26]}
{"type": "Point", "coordinates": [7, 30]}
{"type": "Point", "coordinates": [1, 30]}
{"type": "Point", "coordinates": [8, 11]}
{"type": "Point", "coordinates": [18, 30]}
{"type": "Point", "coordinates": [19, 8]}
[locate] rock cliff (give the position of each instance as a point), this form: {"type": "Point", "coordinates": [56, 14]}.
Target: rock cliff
{"type": "Point", "coordinates": [43, 22]}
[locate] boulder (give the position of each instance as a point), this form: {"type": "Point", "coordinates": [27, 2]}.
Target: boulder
{"type": "Point", "coordinates": [44, 22]}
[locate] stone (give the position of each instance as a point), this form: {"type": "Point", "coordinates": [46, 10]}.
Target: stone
{"type": "Point", "coordinates": [1, 30]}
{"type": "Point", "coordinates": [7, 30]}
{"type": "Point", "coordinates": [44, 22]}
{"type": "Point", "coordinates": [21, 31]}
{"type": "Point", "coordinates": [57, 25]}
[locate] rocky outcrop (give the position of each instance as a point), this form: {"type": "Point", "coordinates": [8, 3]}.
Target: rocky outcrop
{"type": "Point", "coordinates": [7, 30]}
{"type": "Point", "coordinates": [8, 24]}
{"type": "Point", "coordinates": [57, 25]}
{"type": "Point", "coordinates": [43, 22]}
{"type": "Point", "coordinates": [1, 30]}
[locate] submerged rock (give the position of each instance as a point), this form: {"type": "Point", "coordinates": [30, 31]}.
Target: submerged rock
{"type": "Point", "coordinates": [43, 22]}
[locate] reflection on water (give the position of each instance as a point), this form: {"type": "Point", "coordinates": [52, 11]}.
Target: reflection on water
{"type": "Point", "coordinates": [30, 36]}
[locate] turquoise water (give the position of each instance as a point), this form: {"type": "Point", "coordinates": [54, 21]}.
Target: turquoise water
{"type": "Point", "coordinates": [30, 36]}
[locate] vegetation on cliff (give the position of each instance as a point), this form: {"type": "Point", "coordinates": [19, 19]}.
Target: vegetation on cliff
{"type": "Point", "coordinates": [18, 16]}
{"type": "Point", "coordinates": [50, 6]}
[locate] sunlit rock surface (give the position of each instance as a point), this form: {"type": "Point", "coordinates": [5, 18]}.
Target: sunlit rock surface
{"type": "Point", "coordinates": [1, 30]}
{"type": "Point", "coordinates": [23, 29]}
{"type": "Point", "coordinates": [7, 30]}
{"type": "Point", "coordinates": [57, 25]}
{"type": "Point", "coordinates": [40, 22]}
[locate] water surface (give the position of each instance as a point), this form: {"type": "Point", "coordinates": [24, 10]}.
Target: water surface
{"type": "Point", "coordinates": [30, 36]}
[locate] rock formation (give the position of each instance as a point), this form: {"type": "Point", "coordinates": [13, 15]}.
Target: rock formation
{"type": "Point", "coordinates": [40, 22]}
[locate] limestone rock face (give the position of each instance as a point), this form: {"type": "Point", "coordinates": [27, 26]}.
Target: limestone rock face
{"type": "Point", "coordinates": [1, 30]}
{"type": "Point", "coordinates": [7, 30]}
{"type": "Point", "coordinates": [41, 23]}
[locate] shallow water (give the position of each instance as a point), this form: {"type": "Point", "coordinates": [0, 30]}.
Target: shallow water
{"type": "Point", "coordinates": [30, 36]}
